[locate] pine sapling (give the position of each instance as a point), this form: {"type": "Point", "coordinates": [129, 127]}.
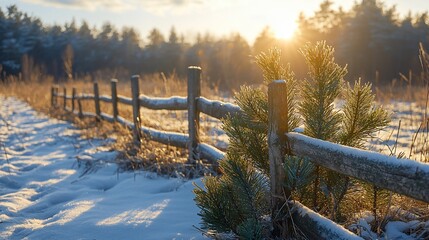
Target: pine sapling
{"type": "Point", "coordinates": [321, 120]}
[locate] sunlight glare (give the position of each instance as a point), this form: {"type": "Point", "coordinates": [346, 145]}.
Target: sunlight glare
{"type": "Point", "coordinates": [284, 28]}
{"type": "Point", "coordinates": [137, 216]}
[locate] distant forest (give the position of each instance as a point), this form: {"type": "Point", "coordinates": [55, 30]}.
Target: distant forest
{"type": "Point", "coordinates": [370, 38]}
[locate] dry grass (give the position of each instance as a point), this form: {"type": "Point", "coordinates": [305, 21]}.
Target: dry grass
{"type": "Point", "coordinates": [151, 156]}
{"type": "Point", "coordinates": [401, 91]}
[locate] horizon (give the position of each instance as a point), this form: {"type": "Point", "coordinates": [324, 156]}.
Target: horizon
{"type": "Point", "coordinates": [220, 18]}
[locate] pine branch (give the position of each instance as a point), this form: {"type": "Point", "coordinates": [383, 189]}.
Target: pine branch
{"type": "Point", "coordinates": [321, 120]}
{"type": "Point", "coordinates": [248, 142]}
{"type": "Point", "coordinates": [361, 118]}
{"type": "Point", "coordinates": [254, 104]}
{"type": "Point", "coordinates": [250, 186]}
{"type": "Point", "coordinates": [214, 201]}
{"type": "Point", "coordinates": [272, 69]}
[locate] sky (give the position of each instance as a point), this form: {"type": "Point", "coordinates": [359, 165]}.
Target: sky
{"type": "Point", "coordinates": [219, 17]}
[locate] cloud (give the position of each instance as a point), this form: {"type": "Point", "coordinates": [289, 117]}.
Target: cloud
{"type": "Point", "coordinates": [113, 5]}
{"type": "Point", "coordinates": [154, 6]}
{"type": "Point", "coordinates": [169, 6]}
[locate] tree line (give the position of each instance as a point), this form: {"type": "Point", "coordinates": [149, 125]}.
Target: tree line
{"type": "Point", "coordinates": [371, 38]}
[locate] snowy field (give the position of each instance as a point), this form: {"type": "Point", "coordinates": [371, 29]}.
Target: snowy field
{"type": "Point", "coordinates": [56, 185]}
{"type": "Point", "coordinates": [403, 134]}
{"type": "Point", "coordinates": [49, 191]}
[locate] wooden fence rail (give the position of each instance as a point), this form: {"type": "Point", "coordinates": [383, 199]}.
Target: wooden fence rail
{"type": "Point", "coordinates": [402, 176]}
{"type": "Point", "coordinates": [216, 109]}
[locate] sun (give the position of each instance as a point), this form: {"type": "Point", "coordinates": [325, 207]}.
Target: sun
{"type": "Point", "coordinates": [284, 28]}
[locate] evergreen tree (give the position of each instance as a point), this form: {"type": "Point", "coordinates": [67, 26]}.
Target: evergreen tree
{"type": "Point", "coordinates": [321, 119]}
{"type": "Point", "coordinates": [172, 52]}
{"type": "Point", "coordinates": [370, 37]}
{"type": "Point", "coordinates": [237, 200]}
{"type": "Point", "coordinates": [244, 184]}
{"type": "Point", "coordinates": [326, 24]}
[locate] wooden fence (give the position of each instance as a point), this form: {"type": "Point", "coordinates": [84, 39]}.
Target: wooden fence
{"type": "Point", "coordinates": [197, 104]}
{"type": "Point", "coordinates": [402, 176]}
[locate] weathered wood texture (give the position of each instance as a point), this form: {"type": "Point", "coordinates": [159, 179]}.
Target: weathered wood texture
{"type": "Point", "coordinates": [217, 109]}
{"type": "Point", "coordinates": [85, 96]}
{"type": "Point", "coordinates": [79, 104]}
{"type": "Point", "coordinates": [168, 138]}
{"type": "Point", "coordinates": [210, 153]}
{"type": "Point", "coordinates": [135, 92]}
{"type": "Point", "coordinates": [97, 101]}
{"type": "Point", "coordinates": [194, 92]}
{"type": "Point", "coordinates": [105, 98]}
{"type": "Point", "coordinates": [114, 91]}
{"type": "Point", "coordinates": [125, 100]}
{"type": "Point", "coordinates": [154, 103]}
{"type": "Point", "coordinates": [64, 98]}
{"type": "Point", "coordinates": [53, 97]}
{"type": "Point", "coordinates": [277, 118]}
{"type": "Point", "coordinates": [73, 99]}
{"type": "Point", "coordinates": [402, 176]}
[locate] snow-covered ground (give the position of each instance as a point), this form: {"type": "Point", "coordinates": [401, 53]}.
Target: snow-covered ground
{"type": "Point", "coordinates": [404, 134]}
{"type": "Point", "coordinates": [56, 185]}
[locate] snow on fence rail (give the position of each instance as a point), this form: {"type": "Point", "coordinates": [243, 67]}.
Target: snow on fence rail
{"type": "Point", "coordinates": [402, 176]}
{"type": "Point", "coordinates": [212, 108]}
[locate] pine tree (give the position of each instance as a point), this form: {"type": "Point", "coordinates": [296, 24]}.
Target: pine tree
{"type": "Point", "coordinates": [272, 69]}
{"type": "Point", "coordinates": [321, 119]}
{"type": "Point", "coordinates": [360, 117]}
{"type": "Point", "coordinates": [350, 125]}
{"type": "Point", "coordinates": [238, 201]}
{"type": "Point", "coordinates": [235, 201]}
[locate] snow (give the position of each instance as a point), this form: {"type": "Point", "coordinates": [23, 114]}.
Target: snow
{"type": "Point", "coordinates": [395, 229]}
{"type": "Point", "coordinates": [57, 185]}
{"type": "Point", "coordinates": [211, 152]}
{"type": "Point", "coordinates": [364, 229]}
{"type": "Point", "coordinates": [279, 81]}
{"type": "Point", "coordinates": [412, 165]}
{"type": "Point", "coordinates": [222, 108]}
{"type": "Point", "coordinates": [400, 135]}
{"type": "Point", "coordinates": [329, 227]}
{"type": "Point", "coordinates": [162, 103]}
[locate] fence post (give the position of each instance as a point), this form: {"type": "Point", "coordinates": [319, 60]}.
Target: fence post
{"type": "Point", "coordinates": [79, 104]}
{"type": "Point", "coordinates": [194, 92]}
{"type": "Point", "coordinates": [113, 85]}
{"type": "Point", "coordinates": [97, 101]}
{"type": "Point", "coordinates": [73, 99]}
{"type": "Point", "coordinates": [56, 88]}
{"type": "Point", "coordinates": [277, 127]}
{"type": "Point", "coordinates": [135, 91]}
{"type": "Point", "coordinates": [53, 96]}
{"type": "Point", "coordinates": [64, 98]}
